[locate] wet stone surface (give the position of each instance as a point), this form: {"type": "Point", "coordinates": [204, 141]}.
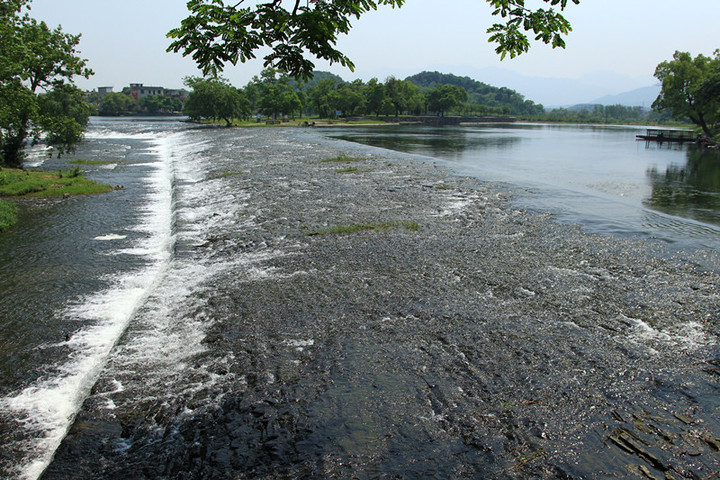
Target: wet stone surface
{"type": "Point", "coordinates": [482, 342]}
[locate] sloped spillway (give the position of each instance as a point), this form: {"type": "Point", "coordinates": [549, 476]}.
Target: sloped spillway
{"type": "Point", "coordinates": [378, 317]}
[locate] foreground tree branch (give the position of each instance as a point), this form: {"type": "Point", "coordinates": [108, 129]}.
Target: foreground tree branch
{"type": "Point", "coordinates": [216, 34]}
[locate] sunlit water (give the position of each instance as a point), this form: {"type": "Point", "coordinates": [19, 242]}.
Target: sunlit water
{"type": "Point", "coordinates": [597, 176]}
{"type": "Point", "coordinates": [79, 274]}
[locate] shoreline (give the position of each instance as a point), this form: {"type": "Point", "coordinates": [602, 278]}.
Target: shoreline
{"type": "Point", "coordinates": [488, 341]}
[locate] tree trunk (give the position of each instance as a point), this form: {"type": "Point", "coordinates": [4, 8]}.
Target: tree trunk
{"type": "Point", "coordinates": [703, 124]}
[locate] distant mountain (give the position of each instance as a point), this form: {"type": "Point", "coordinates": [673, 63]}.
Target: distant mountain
{"type": "Point", "coordinates": [554, 91]}
{"type": "Point", "coordinates": [640, 97]}
{"type": "Point", "coordinates": [599, 88]}
{"type": "Point", "coordinates": [317, 77]}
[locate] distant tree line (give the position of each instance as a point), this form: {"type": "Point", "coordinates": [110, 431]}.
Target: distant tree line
{"type": "Point", "coordinates": [608, 114]}
{"type": "Point", "coordinates": [326, 95]}
{"type": "Point", "coordinates": [689, 95]}
{"type": "Point", "coordinates": [114, 104]}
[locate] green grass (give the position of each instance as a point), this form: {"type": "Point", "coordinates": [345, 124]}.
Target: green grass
{"type": "Point", "coordinates": [361, 227]}
{"type": "Point", "coordinates": [348, 170]}
{"type": "Point", "coordinates": [343, 159]}
{"type": "Point", "coordinates": [91, 162]}
{"type": "Point", "coordinates": [18, 183]}
{"type": "Point", "coordinates": [229, 174]}
{"type": "Point", "coordinates": [8, 215]}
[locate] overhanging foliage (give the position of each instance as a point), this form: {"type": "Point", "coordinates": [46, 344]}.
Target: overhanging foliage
{"type": "Point", "coordinates": [216, 34]}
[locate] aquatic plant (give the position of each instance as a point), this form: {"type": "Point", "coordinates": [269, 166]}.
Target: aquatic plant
{"type": "Point", "coordinates": [80, 161]}
{"type": "Point", "coordinates": [8, 215]}
{"type": "Point", "coordinates": [343, 159]}
{"type": "Point", "coordinates": [360, 227]}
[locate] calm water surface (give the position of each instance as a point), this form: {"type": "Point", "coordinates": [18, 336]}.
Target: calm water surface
{"type": "Point", "coordinates": [597, 176]}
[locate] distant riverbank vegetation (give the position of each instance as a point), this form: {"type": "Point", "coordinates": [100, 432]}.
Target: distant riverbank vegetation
{"type": "Point", "coordinates": [275, 98]}
{"type": "Point", "coordinates": [606, 114]}
{"type": "Point", "coordinates": [325, 96]}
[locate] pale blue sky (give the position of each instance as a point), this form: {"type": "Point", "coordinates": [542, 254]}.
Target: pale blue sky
{"type": "Point", "coordinates": [125, 41]}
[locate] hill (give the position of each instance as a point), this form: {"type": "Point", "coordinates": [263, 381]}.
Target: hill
{"type": "Point", "coordinates": [497, 99]}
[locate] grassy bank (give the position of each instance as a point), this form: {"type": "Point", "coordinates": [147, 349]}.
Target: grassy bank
{"type": "Point", "coordinates": [27, 183]}
{"type": "Point", "coordinates": [18, 183]}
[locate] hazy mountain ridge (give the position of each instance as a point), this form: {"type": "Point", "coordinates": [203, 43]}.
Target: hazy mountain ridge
{"type": "Point", "coordinates": [598, 88]}
{"type": "Point", "coordinates": [640, 97]}
{"type": "Point", "coordinates": [550, 92]}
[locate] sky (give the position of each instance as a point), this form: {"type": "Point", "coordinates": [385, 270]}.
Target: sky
{"type": "Point", "coordinates": [615, 44]}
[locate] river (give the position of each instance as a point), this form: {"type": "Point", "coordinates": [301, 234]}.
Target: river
{"type": "Point", "coordinates": [596, 176]}
{"type": "Point", "coordinates": [193, 323]}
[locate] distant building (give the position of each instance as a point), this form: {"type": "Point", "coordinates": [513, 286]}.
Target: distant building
{"type": "Point", "coordinates": [102, 91]}
{"type": "Point", "coordinates": [138, 91]}
{"type": "Point", "coordinates": [180, 93]}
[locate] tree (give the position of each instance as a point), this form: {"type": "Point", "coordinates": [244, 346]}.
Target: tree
{"type": "Point", "coordinates": [320, 95]}
{"type": "Point", "coordinates": [349, 98]}
{"type": "Point", "coordinates": [404, 96]}
{"type": "Point", "coordinates": [690, 89]}
{"type": "Point", "coordinates": [216, 34]}
{"type": "Point", "coordinates": [114, 104]}
{"type": "Point", "coordinates": [215, 99]}
{"type": "Point", "coordinates": [37, 95]}
{"type": "Point", "coordinates": [275, 95]}
{"type": "Point", "coordinates": [63, 115]}
{"type": "Point", "coordinates": [374, 96]}
{"type": "Point", "coordinates": [160, 104]}
{"type": "Point", "coordinates": [444, 97]}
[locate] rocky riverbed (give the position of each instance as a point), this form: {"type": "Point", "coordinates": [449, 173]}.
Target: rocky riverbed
{"type": "Point", "coordinates": [382, 318]}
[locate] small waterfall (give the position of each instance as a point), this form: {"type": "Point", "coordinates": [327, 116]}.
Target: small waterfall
{"type": "Point", "coordinates": [46, 408]}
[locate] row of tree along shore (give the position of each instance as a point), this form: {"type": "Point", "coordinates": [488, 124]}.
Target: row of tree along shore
{"type": "Point", "coordinates": [327, 96]}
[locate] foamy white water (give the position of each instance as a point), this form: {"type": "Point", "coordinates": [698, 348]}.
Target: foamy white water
{"type": "Point", "coordinates": [162, 356]}
{"type": "Point", "coordinates": [47, 407]}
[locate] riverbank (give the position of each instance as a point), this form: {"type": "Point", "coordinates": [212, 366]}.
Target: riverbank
{"type": "Point", "coordinates": [16, 183]}
{"type": "Point", "coordinates": [451, 336]}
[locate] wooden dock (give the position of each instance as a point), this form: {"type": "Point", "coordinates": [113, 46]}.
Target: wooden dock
{"type": "Point", "coordinates": [664, 135]}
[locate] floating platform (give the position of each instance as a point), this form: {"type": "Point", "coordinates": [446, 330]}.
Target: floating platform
{"type": "Point", "coordinates": [662, 135]}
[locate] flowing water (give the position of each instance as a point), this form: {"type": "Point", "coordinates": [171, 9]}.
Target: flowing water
{"type": "Point", "coordinates": [117, 310]}
{"type": "Point", "coordinates": [73, 273]}
{"type": "Point", "coordinates": [597, 176]}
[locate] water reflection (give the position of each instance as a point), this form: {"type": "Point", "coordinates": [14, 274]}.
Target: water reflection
{"type": "Point", "coordinates": [440, 142]}
{"type": "Point", "coordinates": [597, 176]}
{"type": "Point", "coordinates": [689, 191]}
